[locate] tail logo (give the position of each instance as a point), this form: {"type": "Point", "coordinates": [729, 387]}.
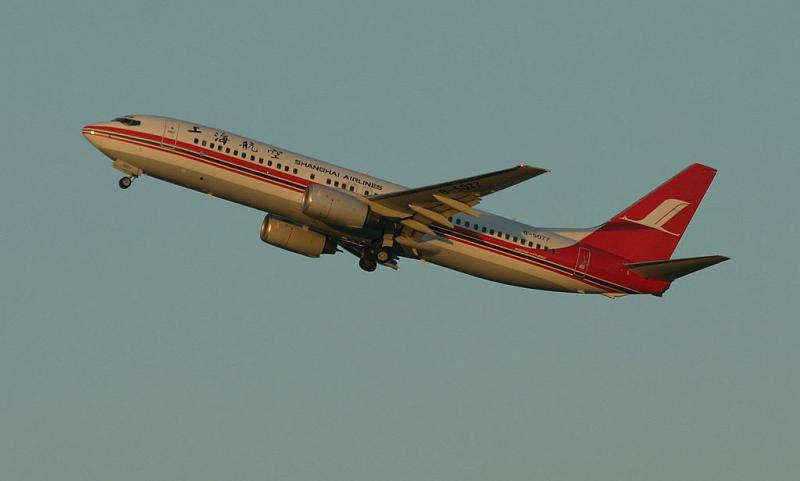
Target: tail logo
{"type": "Point", "coordinates": [661, 215]}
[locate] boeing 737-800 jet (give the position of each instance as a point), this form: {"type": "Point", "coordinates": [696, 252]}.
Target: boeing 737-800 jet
{"type": "Point", "coordinates": [315, 208]}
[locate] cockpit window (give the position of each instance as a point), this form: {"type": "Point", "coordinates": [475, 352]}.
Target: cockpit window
{"type": "Point", "coordinates": [127, 121]}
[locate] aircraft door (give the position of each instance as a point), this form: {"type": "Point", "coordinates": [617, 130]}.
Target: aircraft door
{"type": "Point", "coordinates": [170, 136]}
{"type": "Point", "coordinates": [582, 264]}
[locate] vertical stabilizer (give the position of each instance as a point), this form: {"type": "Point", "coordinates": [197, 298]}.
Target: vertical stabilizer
{"type": "Point", "coordinates": [652, 227]}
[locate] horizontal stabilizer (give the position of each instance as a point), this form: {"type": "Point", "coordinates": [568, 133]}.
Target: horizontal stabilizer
{"type": "Point", "coordinates": [670, 270]}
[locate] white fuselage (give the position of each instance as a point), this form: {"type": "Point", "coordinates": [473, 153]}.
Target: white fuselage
{"type": "Point", "coordinates": [271, 179]}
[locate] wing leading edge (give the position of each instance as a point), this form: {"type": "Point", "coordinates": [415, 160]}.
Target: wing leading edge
{"type": "Point", "coordinates": [468, 190]}
{"type": "Point", "coordinates": [415, 209]}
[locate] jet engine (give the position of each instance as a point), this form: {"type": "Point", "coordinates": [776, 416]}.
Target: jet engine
{"type": "Point", "coordinates": [295, 238]}
{"type": "Point", "coordinates": [334, 207]}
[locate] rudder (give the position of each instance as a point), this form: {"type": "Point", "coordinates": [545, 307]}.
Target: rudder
{"type": "Point", "coordinates": [652, 227]}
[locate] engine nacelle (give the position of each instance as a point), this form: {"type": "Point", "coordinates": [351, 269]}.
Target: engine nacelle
{"type": "Point", "coordinates": [334, 207]}
{"type": "Point", "coordinates": [294, 238]}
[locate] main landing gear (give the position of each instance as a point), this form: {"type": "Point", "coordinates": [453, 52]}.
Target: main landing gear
{"type": "Point", "coordinates": [380, 252]}
{"type": "Point", "coordinates": [384, 255]}
{"type": "Point", "coordinates": [370, 258]}
{"type": "Point", "coordinates": [125, 182]}
{"type": "Point", "coordinates": [368, 263]}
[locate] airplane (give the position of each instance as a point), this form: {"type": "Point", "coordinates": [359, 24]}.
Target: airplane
{"type": "Point", "coordinates": [315, 208]}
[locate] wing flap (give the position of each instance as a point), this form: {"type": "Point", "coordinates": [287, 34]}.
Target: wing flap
{"type": "Point", "coordinates": [416, 209]}
{"type": "Point", "coordinates": [459, 195]}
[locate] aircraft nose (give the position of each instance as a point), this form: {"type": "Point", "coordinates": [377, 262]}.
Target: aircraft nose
{"type": "Point", "coordinates": [89, 133]}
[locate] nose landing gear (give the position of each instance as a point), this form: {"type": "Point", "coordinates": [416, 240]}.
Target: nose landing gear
{"type": "Point", "coordinates": [131, 172]}
{"type": "Point", "coordinates": [125, 182]}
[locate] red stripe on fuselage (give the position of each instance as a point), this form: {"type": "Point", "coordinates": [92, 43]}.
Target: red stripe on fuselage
{"type": "Point", "coordinates": [543, 265]}
{"type": "Point", "coordinates": [194, 157]}
{"type": "Point", "coordinates": [494, 245]}
{"type": "Point", "coordinates": [565, 254]}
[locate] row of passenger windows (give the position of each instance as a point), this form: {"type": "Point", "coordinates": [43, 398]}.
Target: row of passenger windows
{"type": "Point", "coordinates": [343, 185]}
{"type": "Point", "coordinates": [352, 188]}
{"type": "Point", "coordinates": [501, 235]}
{"type": "Point", "coordinates": [278, 165]}
{"type": "Point", "coordinates": [243, 154]}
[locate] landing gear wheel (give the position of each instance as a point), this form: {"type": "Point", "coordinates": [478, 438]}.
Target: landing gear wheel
{"type": "Point", "coordinates": [367, 264]}
{"type": "Point", "coordinates": [383, 255]}
{"type": "Point", "coordinates": [125, 182]}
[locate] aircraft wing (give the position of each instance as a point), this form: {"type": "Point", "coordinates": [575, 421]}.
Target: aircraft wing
{"type": "Point", "coordinates": [416, 208]}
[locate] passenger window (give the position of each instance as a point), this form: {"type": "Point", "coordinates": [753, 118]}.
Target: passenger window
{"type": "Point", "coordinates": [508, 236]}
{"type": "Point", "coordinates": [515, 238]}
{"type": "Point", "coordinates": [196, 140]}
{"type": "Point", "coordinates": [269, 163]}
{"type": "Point", "coordinates": [235, 152]}
{"type": "Point", "coordinates": [253, 158]}
{"type": "Point", "coordinates": [204, 143]}
{"type": "Point", "coordinates": [483, 229]}
{"type": "Point", "coordinates": [260, 160]}
{"type": "Point", "coordinates": [491, 231]}
{"type": "Point", "coordinates": [312, 176]}
{"type": "Point", "coordinates": [278, 166]}
{"type": "Point", "coordinates": [336, 184]}
{"type": "Point", "coordinates": [244, 155]}
{"type": "Point", "coordinates": [530, 244]}
{"type": "Point", "coordinates": [352, 188]}
{"type": "Point", "coordinates": [344, 186]}
{"type": "Point", "coordinates": [227, 150]}
{"type": "Point", "coordinates": [219, 147]}
{"type": "Point", "coordinates": [450, 218]}
{"type": "Point", "coordinates": [466, 224]}
{"type": "Point", "coordinates": [458, 221]}
{"type": "Point", "coordinates": [328, 181]}
{"type": "Point", "coordinates": [286, 168]}
{"type": "Point", "coordinates": [294, 171]}
{"type": "Point", "coordinates": [211, 145]}
{"type": "Point", "coordinates": [366, 192]}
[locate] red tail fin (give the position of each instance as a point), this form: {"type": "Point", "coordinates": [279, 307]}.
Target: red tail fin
{"type": "Point", "coordinates": [651, 228]}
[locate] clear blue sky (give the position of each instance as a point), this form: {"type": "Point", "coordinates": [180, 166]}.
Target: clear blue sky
{"type": "Point", "coordinates": [149, 334]}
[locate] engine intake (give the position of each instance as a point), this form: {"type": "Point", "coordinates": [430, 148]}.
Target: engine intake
{"type": "Point", "coordinates": [334, 207]}
{"type": "Point", "coordinates": [295, 238]}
